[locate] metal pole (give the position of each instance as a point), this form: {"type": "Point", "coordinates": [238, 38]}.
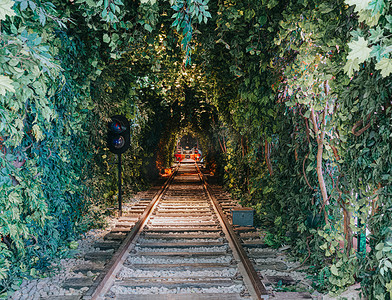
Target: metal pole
{"type": "Point", "coordinates": [119, 186]}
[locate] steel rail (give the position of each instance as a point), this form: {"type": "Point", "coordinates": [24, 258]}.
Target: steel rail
{"type": "Point", "coordinates": [102, 283]}
{"type": "Point", "coordinates": [257, 286]}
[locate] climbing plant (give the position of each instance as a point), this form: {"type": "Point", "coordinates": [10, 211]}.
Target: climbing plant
{"type": "Point", "coordinates": [291, 101]}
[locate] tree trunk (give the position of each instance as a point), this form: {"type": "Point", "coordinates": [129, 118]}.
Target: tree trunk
{"type": "Point", "coordinates": [320, 147]}
{"type": "Point", "coordinates": [348, 235]}
{"type": "Point", "coordinates": [223, 150]}
{"type": "Point", "coordinates": [267, 157]}
{"type": "Point", "coordinates": [224, 143]}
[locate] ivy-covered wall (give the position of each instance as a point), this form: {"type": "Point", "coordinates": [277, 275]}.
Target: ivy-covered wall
{"type": "Point", "coordinates": [58, 87]}
{"type": "Point", "coordinates": [44, 110]}
{"type": "Point", "coordinates": [305, 102]}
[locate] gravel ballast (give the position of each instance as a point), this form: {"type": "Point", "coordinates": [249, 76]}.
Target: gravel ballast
{"type": "Point", "coordinates": [121, 290]}
{"type": "Point", "coordinates": [128, 272]}
{"type": "Point", "coordinates": [183, 260]}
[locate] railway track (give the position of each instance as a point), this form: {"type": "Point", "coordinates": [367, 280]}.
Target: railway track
{"type": "Point", "coordinates": [180, 245]}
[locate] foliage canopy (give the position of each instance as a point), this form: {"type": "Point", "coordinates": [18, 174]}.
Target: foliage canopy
{"type": "Point", "coordinates": [290, 99]}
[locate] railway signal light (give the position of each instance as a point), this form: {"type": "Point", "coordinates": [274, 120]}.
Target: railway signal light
{"type": "Point", "coordinates": [118, 139]}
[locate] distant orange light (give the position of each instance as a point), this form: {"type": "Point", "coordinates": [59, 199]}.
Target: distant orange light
{"type": "Point", "coordinates": [167, 172]}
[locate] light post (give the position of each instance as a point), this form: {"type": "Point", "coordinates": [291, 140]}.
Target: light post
{"type": "Point", "coordinates": [118, 141]}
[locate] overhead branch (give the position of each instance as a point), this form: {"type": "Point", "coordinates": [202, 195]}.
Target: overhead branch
{"type": "Point", "coordinates": [359, 123]}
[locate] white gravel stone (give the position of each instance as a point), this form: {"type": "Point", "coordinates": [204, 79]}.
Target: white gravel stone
{"type": "Point", "coordinates": [157, 260]}
{"type": "Point", "coordinates": [147, 240]}
{"type": "Point", "coordinates": [128, 272]}
{"type": "Point", "coordinates": [118, 290]}
{"type": "Point", "coordinates": [190, 249]}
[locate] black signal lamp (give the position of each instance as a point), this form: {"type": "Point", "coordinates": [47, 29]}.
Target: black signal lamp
{"type": "Point", "coordinates": [118, 139]}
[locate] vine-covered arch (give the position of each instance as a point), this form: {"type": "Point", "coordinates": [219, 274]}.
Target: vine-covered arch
{"type": "Point", "coordinates": [291, 100]}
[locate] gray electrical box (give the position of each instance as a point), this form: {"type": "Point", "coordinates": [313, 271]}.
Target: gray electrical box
{"type": "Point", "coordinates": [242, 216]}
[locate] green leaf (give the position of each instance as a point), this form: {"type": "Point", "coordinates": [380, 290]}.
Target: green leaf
{"type": "Point", "coordinates": [113, 7]}
{"type": "Point", "coordinates": [387, 50]}
{"type": "Point", "coordinates": [334, 270]}
{"type": "Point", "coordinates": [106, 38]}
{"type": "Point", "coordinates": [376, 34]}
{"type": "Point", "coordinates": [14, 62]}
{"type": "Point", "coordinates": [359, 49]}
{"type": "Point", "coordinates": [14, 198]}
{"type": "Point", "coordinates": [388, 264]}
{"type": "Point", "coordinates": [37, 132]}
{"type": "Point", "coordinates": [32, 5]}
{"type": "Point", "coordinates": [111, 16]}
{"type": "Point", "coordinates": [148, 27]}
{"type": "Point", "coordinates": [272, 3]}
{"type": "Point", "coordinates": [6, 9]}
{"type": "Point", "coordinates": [377, 6]}
{"type": "Point", "coordinates": [351, 66]}
{"type": "Point", "coordinates": [359, 4]}
{"type": "Point", "coordinates": [6, 85]}
{"type": "Point", "coordinates": [367, 17]}
{"type": "Point", "coordinates": [73, 245]}
{"type": "Point", "coordinates": [385, 66]}
{"type": "Point", "coordinates": [23, 5]}
{"type": "Point", "coordinates": [324, 8]}
{"type": "Point", "coordinates": [388, 26]}
{"type": "Point", "coordinates": [377, 52]}
{"type": "Point", "coordinates": [356, 33]}
{"type": "Point", "coordinates": [115, 37]}
{"type": "Point", "coordinates": [42, 18]}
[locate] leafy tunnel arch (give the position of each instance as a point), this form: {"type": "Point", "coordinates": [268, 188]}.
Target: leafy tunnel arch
{"type": "Point", "coordinates": [292, 99]}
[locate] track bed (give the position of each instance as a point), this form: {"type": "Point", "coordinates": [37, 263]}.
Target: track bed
{"type": "Point", "coordinates": [180, 248]}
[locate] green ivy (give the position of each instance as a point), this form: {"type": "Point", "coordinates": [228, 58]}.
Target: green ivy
{"type": "Point", "coordinates": [267, 95]}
